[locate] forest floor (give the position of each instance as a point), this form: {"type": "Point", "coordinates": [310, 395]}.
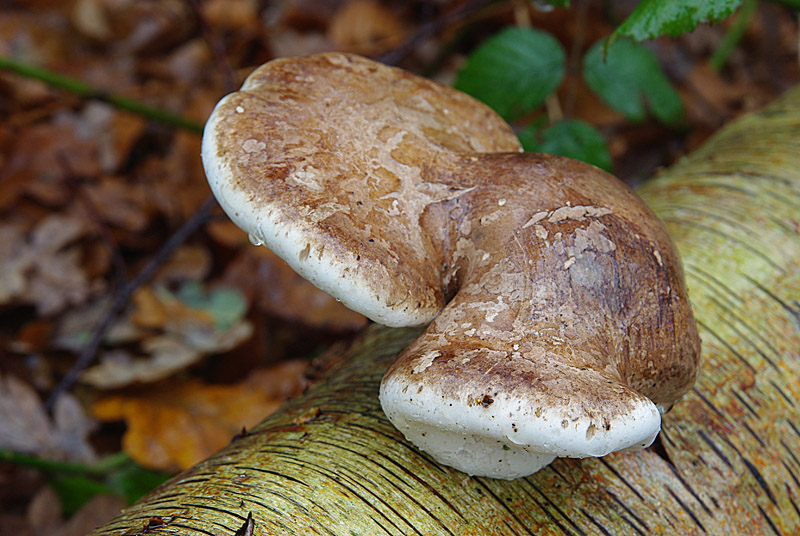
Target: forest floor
{"type": "Point", "coordinates": [139, 328]}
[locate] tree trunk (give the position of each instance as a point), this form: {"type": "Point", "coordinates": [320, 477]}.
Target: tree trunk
{"type": "Point", "coordinates": [728, 459]}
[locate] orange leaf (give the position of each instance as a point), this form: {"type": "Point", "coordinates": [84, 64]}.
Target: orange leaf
{"type": "Point", "coordinates": [174, 426]}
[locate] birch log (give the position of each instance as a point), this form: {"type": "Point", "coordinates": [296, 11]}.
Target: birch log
{"type": "Point", "coordinates": [728, 461]}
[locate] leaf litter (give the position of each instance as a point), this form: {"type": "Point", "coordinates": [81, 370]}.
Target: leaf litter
{"type": "Point", "coordinates": [222, 334]}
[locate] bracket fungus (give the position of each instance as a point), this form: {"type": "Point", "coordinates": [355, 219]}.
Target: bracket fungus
{"type": "Point", "coordinates": [558, 320]}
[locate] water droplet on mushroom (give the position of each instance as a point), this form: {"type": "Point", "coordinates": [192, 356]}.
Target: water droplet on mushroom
{"type": "Point", "coordinates": [256, 241]}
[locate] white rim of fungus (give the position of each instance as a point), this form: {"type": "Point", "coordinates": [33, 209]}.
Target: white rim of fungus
{"type": "Point", "coordinates": [507, 439]}
{"type": "Point", "coordinates": [289, 240]}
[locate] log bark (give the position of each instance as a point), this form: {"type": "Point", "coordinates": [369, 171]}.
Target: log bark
{"type": "Point", "coordinates": [728, 459]}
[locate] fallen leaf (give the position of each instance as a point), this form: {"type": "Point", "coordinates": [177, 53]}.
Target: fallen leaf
{"type": "Point", "coordinates": [44, 511]}
{"type": "Point", "coordinates": [119, 368]}
{"type": "Point", "coordinates": [366, 27]}
{"type": "Point", "coordinates": [60, 152]}
{"type": "Point", "coordinates": [174, 332]}
{"type": "Point", "coordinates": [230, 15]}
{"type": "Point", "coordinates": [121, 204]}
{"type": "Point", "coordinates": [94, 513]}
{"type": "Point", "coordinates": [44, 516]}
{"type": "Point", "coordinates": [44, 267]}
{"type": "Point", "coordinates": [26, 427]}
{"type": "Point", "coordinates": [280, 292]}
{"type": "Point", "coordinates": [13, 263]}
{"type": "Point", "coordinates": [173, 426]}
{"type": "Point", "coordinates": [188, 263]}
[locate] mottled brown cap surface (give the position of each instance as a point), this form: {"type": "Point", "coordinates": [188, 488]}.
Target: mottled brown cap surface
{"type": "Point", "coordinates": [569, 328]}
{"type": "Point", "coordinates": [323, 159]}
{"type": "Point", "coordinates": [564, 324]}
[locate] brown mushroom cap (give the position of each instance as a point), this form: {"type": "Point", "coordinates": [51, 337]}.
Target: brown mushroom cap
{"type": "Point", "coordinates": [566, 321]}
{"type": "Point", "coordinates": [570, 326]}
{"type": "Point", "coordinates": [323, 159]}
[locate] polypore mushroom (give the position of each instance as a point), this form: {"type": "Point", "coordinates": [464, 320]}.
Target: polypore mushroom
{"type": "Point", "coordinates": [559, 322]}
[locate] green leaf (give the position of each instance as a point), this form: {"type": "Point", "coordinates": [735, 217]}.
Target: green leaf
{"type": "Point", "coordinates": [76, 490]}
{"type": "Point", "coordinates": [630, 81]}
{"type": "Point", "coordinates": [653, 18]}
{"type": "Point", "coordinates": [132, 481]}
{"type": "Point", "coordinates": [571, 138]}
{"type": "Point", "coordinates": [77, 483]}
{"type": "Point", "coordinates": [226, 305]}
{"type": "Point", "coordinates": [514, 71]}
{"type": "Point", "coordinates": [544, 4]}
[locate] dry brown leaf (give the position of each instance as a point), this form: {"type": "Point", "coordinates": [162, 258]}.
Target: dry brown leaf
{"type": "Point", "coordinates": [26, 427]}
{"type": "Point", "coordinates": [280, 292]}
{"type": "Point", "coordinates": [226, 233]}
{"type": "Point", "coordinates": [188, 263]}
{"type": "Point", "coordinates": [120, 203]}
{"type": "Point", "coordinates": [13, 263]}
{"type": "Point", "coordinates": [44, 512]}
{"type": "Point", "coordinates": [188, 63]}
{"type": "Point", "coordinates": [366, 27]}
{"type": "Point", "coordinates": [95, 512]}
{"type": "Point", "coordinates": [173, 426]}
{"type": "Point", "coordinates": [44, 268]}
{"type": "Point", "coordinates": [231, 15]}
{"type": "Point", "coordinates": [132, 26]}
{"type": "Point", "coordinates": [119, 368]}
{"type": "Point", "coordinates": [172, 335]}
{"type": "Point", "coordinates": [177, 183]}
{"type": "Point", "coordinates": [44, 517]}
{"type": "Point", "coordinates": [74, 327]}
{"type": "Point", "coordinates": [33, 337]}
{"type": "Point", "coordinates": [60, 151]}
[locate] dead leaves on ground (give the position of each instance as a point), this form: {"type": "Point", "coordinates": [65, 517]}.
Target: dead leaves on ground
{"type": "Point", "coordinates": [174, 425]}
{"type": "Point", "coordinates": [26, 427]}
{"type": "Point", "coordinates": [89, 192]}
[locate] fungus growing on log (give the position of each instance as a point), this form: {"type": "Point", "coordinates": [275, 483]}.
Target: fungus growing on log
{"type": "Point", "coordinates": [558, 320]}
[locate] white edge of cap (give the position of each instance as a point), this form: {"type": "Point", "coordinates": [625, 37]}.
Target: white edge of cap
{"type": "Point", "coordinates": [338, 277]}
{"type": "Point", "coordinates": [506, 440]}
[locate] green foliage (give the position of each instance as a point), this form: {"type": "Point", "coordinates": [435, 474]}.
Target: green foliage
{"type": "Point", "coordinates": [554, 3]}
{"type": "Point", "coordinates": [76, 490]}
{"type": "Point", "coordinates": [514, 71]}
{"type": "Point", "coordinates": [653, 18]}
{"type": "Point", "coordinates": [734, 34]}
{"type": "Point", "coordinates": [226, 305]}
{"type": "Point", "coordinates": [131, 480]}
{"type": "Point", "coordinates": [571, 138]}
{"type": "Point", "coordinates": [630, 81]}
{"type": "Point", "coordinates": [76, 483]}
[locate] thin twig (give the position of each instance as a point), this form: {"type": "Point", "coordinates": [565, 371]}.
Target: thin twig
{"type": "Point", "coordinates": [122, 297]}
{"type": "Point", "coordinates": [86, 91]}
{"type": "Point", "coordinates": [215, 45]}
{"type": "Point", "coordinates": [428, 29]}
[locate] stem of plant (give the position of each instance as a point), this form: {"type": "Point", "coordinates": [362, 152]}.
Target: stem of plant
{"type": "Point", "coordinates": [734, 35]}
{"type": "Point", "coordinates": [86, 91]}
{"type": "Point", "coordinates": [100, 467]}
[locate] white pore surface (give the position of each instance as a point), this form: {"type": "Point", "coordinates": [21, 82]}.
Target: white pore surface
{"type": "Point", "coordinates": [293, 242]}
{"type": "Point", "coordinates": [508, 439]}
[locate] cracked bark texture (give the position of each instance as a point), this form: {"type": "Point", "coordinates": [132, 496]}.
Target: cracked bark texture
{"type": "Point", "coordinates": [330, 463]}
